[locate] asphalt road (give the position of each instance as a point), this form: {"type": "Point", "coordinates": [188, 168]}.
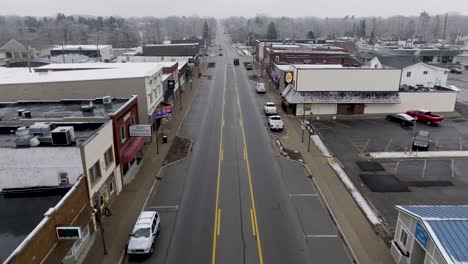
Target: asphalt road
{"type": "Point", "coordinates": [235, 200]}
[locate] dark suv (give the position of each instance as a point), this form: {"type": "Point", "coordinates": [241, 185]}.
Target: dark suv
{"type": "Point", "coordinates": [236, 61]}
{"type": "Point", "coordinates": [421, 141]}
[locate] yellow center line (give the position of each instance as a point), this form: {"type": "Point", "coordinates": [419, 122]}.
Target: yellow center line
{"type": "Point", "coordinates": [253, 221]}
{"type": "Point", "coordinates": [217, 212]}
{"type": "Point", "coordinates": [252, 198]}
{"type": "Point", "coordinates": [219, 221]}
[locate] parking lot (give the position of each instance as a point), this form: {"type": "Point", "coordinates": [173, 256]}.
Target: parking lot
{"type": "Point", "coordinates": [392, 182]}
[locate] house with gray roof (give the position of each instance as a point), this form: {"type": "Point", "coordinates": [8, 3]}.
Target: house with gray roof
{"type": "Point", "coordinates": [432, 234]}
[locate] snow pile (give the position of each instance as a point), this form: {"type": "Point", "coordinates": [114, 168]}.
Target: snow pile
{"type": "Point", "coordinates": [415, 154]}
{"type": "Point", "coordinates": [362, 203]}
{"type": "Point", "coordinates": [319, 143]}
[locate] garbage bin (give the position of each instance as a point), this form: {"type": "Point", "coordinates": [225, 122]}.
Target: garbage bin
{"type": "Point", "coordinates": [164, 139]}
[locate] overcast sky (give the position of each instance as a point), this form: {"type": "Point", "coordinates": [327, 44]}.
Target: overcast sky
{"type": "Point", "coordinates": [224, 8]}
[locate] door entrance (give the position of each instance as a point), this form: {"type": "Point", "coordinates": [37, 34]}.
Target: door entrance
{"type": "Point", "coordinates": [350, 109]}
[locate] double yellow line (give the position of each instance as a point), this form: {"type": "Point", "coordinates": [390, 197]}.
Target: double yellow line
{"type": "Point", "coordinates": [253, 210]}
{"type": "Point", "coordinates": [217, 214]}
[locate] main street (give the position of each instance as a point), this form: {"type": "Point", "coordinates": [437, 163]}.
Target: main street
{"type": "Point", "coordinates": [235, 200]}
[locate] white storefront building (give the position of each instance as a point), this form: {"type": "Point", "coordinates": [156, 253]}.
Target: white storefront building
{"type": "Point", "coordinates": [336, 90]}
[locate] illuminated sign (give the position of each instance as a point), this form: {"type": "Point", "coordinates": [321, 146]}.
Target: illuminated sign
{"type": "Point", "coordinates": [288, 77]}
{"type": "Point", "coordinates": [68, 232]}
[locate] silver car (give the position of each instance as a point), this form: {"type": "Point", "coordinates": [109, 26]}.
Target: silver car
{"type": "Point", "coordinates": [144, 234]}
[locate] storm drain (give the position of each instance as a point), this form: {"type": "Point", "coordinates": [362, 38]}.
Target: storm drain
{"type": "Point", "coordinates": [429, 183]}
{"type": "Point", "coordinates": [370, 166]}
{"type": "Point", "coordinates": [211, 64]}
{"type": "Point", "coordinates": [384, 183]}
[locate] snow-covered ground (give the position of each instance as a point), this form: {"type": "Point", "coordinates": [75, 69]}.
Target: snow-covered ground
{"type": "Point", "coordinates": [362, 203]}
{"type": "Point", "coordinates": [421, 155]}
{"type": "Point", "coordinates": [319, 143]}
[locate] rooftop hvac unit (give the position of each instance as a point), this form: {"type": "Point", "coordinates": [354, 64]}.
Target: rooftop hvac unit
{"type": "Point", "coordinates": [20, 112]}
{"type": "Point", "coordinates": [87, 107]}
{"type": "Point", "coordinates": [107, 100]}
{"type": "Point", "coordinates": [63, 135]}
{"type": "Point", "coordinates": [41, 129]}
{"type": "Point", "coordinates": [27, 114]}
{"type": "Point", "coordinates": [63, 178]}
{"type": "Point", "coordinates": [22, 137]}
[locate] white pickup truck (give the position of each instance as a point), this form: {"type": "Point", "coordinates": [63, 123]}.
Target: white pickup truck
{"type": "Point", "coordinates": [260, 88]}
{"type": "Point", "coordinates": [275, 123]}
{"type": "Point", "coordinates": [269, 108]}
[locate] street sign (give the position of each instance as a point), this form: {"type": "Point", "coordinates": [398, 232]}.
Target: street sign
{"type": "Point", "coordinates": [170, 84]}
{"type": "Point", "coordinates": [140, 130]}
{"type": "Point", "coordinates": [288, 77]}
{"type": "Point", "coordinates": [421, 235]}
{"type": "Point", "coordinates": [68, 232]}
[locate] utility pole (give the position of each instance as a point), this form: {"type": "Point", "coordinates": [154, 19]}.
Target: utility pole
{"type": "Point", "coordinates": [445, 28]}
{"type": "Point", "coordinates": [29, 58]}
{"type": "Point", "coordinates": [63, 53]}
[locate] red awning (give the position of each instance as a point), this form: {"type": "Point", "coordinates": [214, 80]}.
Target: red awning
{"type": "Point", "coordinates": [131, 148]}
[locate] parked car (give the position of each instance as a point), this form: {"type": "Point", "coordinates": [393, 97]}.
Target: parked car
{"type": "Point", "coordinates": [144, 233]}
{"type": "Point", "coordinates": [248, 66]}
{"type": "Point", "coordinates": [220, 54]}
{"type": "Point", "coordinates": [404, 119]}
{"type": "Point", "coordinates": [455, 70]}
{"type": "Point", "coordinates": [275, 123]}
{"type": "Point", "coordinates": [425, 116]}
{"type": "Point", "coordinates": [236, 61]}
{"type": "Point", "coordinates": [260, 88]}
{"type": "Point", "coordinates": [421, 141]}
{"type": "Point", "coordinates": [270, 108]}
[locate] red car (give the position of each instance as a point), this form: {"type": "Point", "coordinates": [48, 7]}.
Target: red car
{"type": "Point", "coordinates": [425, 116]}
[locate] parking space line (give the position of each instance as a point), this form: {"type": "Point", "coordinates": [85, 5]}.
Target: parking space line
{"type": "Point", "coordinates": [461, 145]}
{"type": "Point", "coordinates": [338, 123]}
{"type": "Point", "coordinates": [397, 165]}
{"type": "Point", "coordinates": [389, 142]}
{"type": "Point", "coordinates": [437, 143]}
{"type": "Point", "coordinates": [303, 195]}
{"type": "Point", "coordinates": [321, 236]}
{"type": "Point", "coordinates": [424, 169]}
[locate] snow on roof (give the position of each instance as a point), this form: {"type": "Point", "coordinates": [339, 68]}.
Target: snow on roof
{"type": "Point", "coordinates": [179, 44]}
{"type": "Point", "coordinates": [285, 46]}
{"type": "Point", "coordinates": [283, 67]}
{"type": "Point", "coordinates": [317, 66]}
{"type": "Point", "coordinates": [82, 72]}
{"type": "Point", "coordinates": [81, 47]}
{"type": "Point", "coordinates": [165, 76]}
{"type": "Point", "coordinates": [453, 88]}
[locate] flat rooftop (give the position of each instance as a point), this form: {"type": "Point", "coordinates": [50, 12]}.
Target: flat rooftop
{"type": "Point", "coordinates": [171, 45]}
{"type": "Point", "coordinates": [63, 109]}
{"type": "Point", "coordinates": [19, 216]}
{"type": "Point", "coordinates": [318, 66]}
{"type": "Point", "coordinates": [80, 47]}
{"type": "Point", "coordinates": [83, 131]}
{"type": "Point", "coordinates": [78, 72]}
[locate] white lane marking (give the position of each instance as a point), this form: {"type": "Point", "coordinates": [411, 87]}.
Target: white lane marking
{"type": "Point", "coordinates": [303, 195]}
{"type": "Point", "coordinates": [388, 145]}
{"type": "Point", "coordinates": [338, 123]}
{"type": "Point", "coordinates": [321, 236]}
{"type": "Point", "coordinates": [169, 207]}
{"type": "Point", "coordinates": [453, 168]}
{"type": "Point", "coordinates": [424, 168]}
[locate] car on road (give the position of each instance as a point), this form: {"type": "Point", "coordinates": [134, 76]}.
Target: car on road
{"type": "Point", "coordinates": [220, 54]}
{"type": "Point", "coordinates": [248, 66]}
{"type": "Point", "coordinates": [236, 61]}
{"type": "Point", "coordinates": [421, 141]}
{"type": "Point", "coordinates": [426, 117]}
{"type": "Point", "coordinates": [143, 236]}
{"type": "Point", "coordinates": [456, 70]}
{"type": "Point", "coordinates": [260, 88]}
{"type": "Point", "coordinates": [270, 108]}
{"type": "Point", "coordinates": [404, 119]}
{"type": "Point", "coordinates": [275, 123]}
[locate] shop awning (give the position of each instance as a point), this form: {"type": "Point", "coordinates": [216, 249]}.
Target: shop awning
{"type": "Point", "coordinates": [131, 148]}
{"type": "Point", "coordinates": [294, 97]}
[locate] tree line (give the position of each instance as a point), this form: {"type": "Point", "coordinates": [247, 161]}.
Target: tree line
{"type": "Point", "coordinates": [424, 27]}
{"type": "Point", "coordinates": [117, 31]}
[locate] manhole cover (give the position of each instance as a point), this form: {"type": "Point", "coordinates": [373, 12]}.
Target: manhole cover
{"type": "Point", "coordinates": [383, 183]}
{"type": "Point", "coordinates": [429, 183]}
{"type": "Point", "coordinates": [370, 166]}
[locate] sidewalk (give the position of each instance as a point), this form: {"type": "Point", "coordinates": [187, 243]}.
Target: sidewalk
{"type": "Point", "coordinates": [365, 244]}
{"type": "Point", "coordinates": [129, 203]}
